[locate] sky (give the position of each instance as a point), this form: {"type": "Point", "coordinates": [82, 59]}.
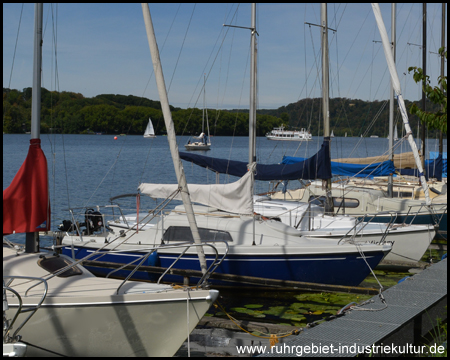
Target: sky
{"type": "Point", "coordinates": [97, 49]}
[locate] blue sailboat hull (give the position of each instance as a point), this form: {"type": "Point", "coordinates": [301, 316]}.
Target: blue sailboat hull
{"type": "Point", "coordinates": [347, 269]}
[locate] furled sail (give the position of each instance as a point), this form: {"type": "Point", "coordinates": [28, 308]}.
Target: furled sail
{"type": "Point", "coordinates": [26, 202]}
{"type": "Point", "coordinates": [236, 197]}
{"type": "Point", "coordinates": [315, 167]}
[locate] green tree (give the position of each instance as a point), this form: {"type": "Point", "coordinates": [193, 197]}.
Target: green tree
{"type": "Point", "coordinates": [432, 120]}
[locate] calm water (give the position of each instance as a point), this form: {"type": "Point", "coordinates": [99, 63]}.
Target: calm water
{"type": "Point", "coordinates": [86, 170]}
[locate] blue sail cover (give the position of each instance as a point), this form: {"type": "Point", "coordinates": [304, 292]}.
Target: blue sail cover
{"type": "Point", "coordinates": [315, 167]}
{"type": "Point", "coordinates": [434, 155]}
{"type": "Point", "coordinates": [433, 169]}
{"type": "Point", "coordinates": [384, 168]}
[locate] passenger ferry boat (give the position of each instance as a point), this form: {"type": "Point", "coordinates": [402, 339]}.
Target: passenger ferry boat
{"type": "Point", "coordinates": [291, 135]}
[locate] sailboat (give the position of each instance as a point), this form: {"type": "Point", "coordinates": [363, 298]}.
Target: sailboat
{"type": "Point", "coordinates": [205, 143]}
{"type": "Point", "coordinates": [74, 313]}
{"type": "Point", "coordinates": [149, 131]}
{"type": "Point", "coordinates": [395, 134]}
{"type": "Point", "coordinates": [359, 200]}
{"type": "Point", "coordinates": [255, 246]}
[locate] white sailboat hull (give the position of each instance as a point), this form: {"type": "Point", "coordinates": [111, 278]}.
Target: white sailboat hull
{"type": "Point", "coordinates": [83, 315]}
{"type": "Point", "coordinates": [198, 146]}
{"type": "Point", "coordinates": [409, 242]}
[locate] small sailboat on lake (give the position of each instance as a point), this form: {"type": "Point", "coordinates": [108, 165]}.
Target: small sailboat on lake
{"type": "Point", "coordinates": [149, 131]}
{"type": "Point", "coordinates": [204, 142]}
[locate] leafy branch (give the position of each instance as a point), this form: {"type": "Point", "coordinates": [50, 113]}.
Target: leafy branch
{"type": "Point", "coordinates": [437, 120]}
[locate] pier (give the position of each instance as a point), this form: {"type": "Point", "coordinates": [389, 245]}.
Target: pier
{"type": "Point", "coordinates": [397, 321]}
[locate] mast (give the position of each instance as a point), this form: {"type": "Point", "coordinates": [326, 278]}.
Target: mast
{"type": "Point", "coordinates": [401, 103]}
{"type": "Point", "coordinates": [171, 137]}
{"type": "Point", "coordinates": [442, 72]}
{"type": "Point", "coordinates": [391, 103]}
{"type": "Point", "coordinates": [205, 109]}
{"type": "Point", "coordinates": [32, 238]}
{"type": "Point", "coordinates": [329, 206]}
{"type": "Point", "coordinates": [252, 114]}
{"type": "Point", "coordinates": [203, 113]}
{"type": "Point", "coordinates": [424, 68]}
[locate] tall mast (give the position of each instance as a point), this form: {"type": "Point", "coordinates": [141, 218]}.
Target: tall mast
{"type": "Point", "coordinates": [424, 68]}
{"type": "Point", "coordinates": [204, 99]}
{"type": "Point", "coordinates": [442, 70]}
{"type": "Point", "coordinates": [329, 206]}
{"type": "Point", "coordinates": [391, 102]}
{"type": "Point", "coordinates": [32, 238]}
{"type": "Point", "coordinates": [252, 113]}
{"type": "Point", "coordinates": [171, 137]}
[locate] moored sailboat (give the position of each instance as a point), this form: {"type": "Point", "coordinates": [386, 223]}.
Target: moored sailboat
{"type": "Point", "coordinates": [226, 219]}
{"type": "Point", "coordinates": [76, 313]}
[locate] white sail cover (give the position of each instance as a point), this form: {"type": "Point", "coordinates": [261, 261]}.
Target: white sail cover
{"type": "Point", "coordinates": [397, 89]}
{"type": "Point", "coordinates": [236, 197]}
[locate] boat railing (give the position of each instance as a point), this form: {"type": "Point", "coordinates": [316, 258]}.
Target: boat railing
{"type": "Point", "coordinates": [185, 246]}
{"type": "Point", "coordinates": [7, 287]}
{"type": "Point", "coordinates": [432, 209]}
{"type": "Point", "coordinates": [366, 220]}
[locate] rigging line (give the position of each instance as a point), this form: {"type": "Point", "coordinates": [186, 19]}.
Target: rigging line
{"type": "Point", "coordinates": [182, 45]}
{"type": "Point", "coordinates": [378, 114]}
{"type": "Point", "coordinates": [229, 57]}
{"type": "Point", "coordinates": [213, 62]}
{"type": "Point", "coordinates": [239, 103]}
{"type": "Point", "coordinates": [15, 48]}
{"type": "Point", "coordinates": [207, 76]}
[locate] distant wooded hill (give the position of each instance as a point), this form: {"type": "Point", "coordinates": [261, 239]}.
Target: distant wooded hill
{"type": "Point", "coordinates": [72, 113]}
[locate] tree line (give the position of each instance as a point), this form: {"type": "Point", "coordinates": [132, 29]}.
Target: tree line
{"type": "Point", "coordinates": [72, 113]}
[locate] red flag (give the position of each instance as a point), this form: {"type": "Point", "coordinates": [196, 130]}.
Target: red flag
{"type": "Point", "coordinates": [26, 202]}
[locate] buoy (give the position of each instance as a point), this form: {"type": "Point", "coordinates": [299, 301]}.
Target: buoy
{"type": "Point", "coordinates": [115, 137]}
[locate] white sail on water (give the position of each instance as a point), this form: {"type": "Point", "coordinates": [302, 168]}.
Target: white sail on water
{"type": "Point", "coordinates": [149, 131]}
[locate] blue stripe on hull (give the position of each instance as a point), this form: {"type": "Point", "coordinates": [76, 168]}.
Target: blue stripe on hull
{"type": "Point", "coordinates": [342, 269]}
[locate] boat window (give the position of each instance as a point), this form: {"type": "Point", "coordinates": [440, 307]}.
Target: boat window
{"type": "Point", "coordinates": [55, 263]}
{"type": "Point", "coordinates": [337, 201]}
{"type": "Point", "coordinates": [346, 202]}
{"type": "Point", "coordinates": [183, 233]}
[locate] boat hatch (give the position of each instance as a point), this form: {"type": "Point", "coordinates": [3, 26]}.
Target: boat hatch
{"type": "Point", "coordinates": [55, 263]}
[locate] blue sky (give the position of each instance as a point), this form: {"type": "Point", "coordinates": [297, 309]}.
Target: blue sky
{"type": "Point", "coordinates": [103, 49]}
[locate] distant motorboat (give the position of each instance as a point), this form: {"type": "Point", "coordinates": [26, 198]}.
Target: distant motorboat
{"type": "Point", "coordinates": [374, 136]}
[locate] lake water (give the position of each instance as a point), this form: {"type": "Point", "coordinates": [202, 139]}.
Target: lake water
{"type": "Point", "coordinates": [86, 170]}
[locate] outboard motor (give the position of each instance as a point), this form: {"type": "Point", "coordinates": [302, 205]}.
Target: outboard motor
{"type": "Point", "coordinates": [94, 221]}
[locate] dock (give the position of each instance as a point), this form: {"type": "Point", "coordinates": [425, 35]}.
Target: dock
{"type": "Point", "coordinates": [391, 325]}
